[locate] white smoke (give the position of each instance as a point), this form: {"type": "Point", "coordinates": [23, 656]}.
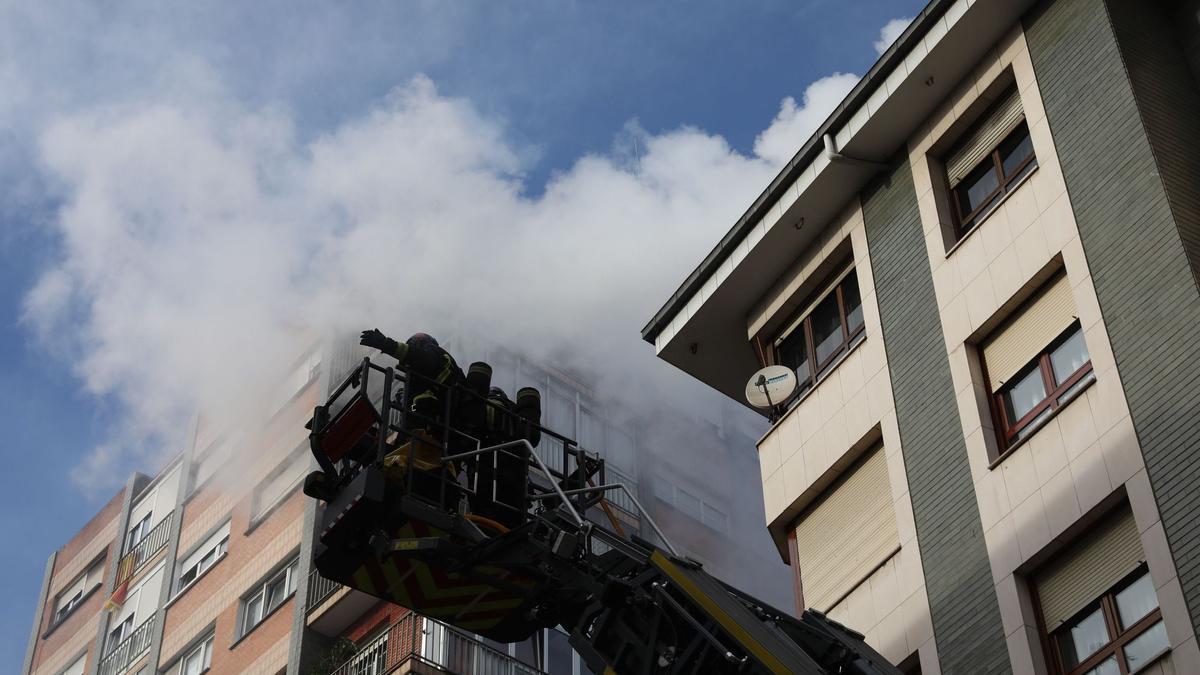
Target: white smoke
{"type": "Point", "coordinates": [203, 243]}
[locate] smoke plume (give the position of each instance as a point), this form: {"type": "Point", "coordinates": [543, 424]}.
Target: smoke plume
{"type": "Point", "coordinates": [203, 247]}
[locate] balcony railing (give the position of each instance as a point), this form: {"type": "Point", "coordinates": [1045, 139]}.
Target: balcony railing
{"type": "Point", "coordinates": [120, 657]}
{"type": "Point", "coordinates": [319, 589]}
{"type": "Point", "coordinates": [154, 541]}
{"type": "Point", "coordinates": [416, 639]}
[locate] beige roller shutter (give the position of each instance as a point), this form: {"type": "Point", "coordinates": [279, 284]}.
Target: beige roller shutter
{"type": "Point", "coordinates": [1104, 556]}
{"type": "Point", "coordinates": [850, 532]}
{"type": "Point", "coordinates": [1035, 326]}
{"type": "Point", "coordinates": [985, 137]}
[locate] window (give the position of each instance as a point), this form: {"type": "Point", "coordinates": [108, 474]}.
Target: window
{"type": "Point", "coordinates": [847, 533]}
{"type": "Point", "coordinates": [1099, 606]}
{"type": "Point", "coordinates": [690, 505]}
{"type": "Point", "coordinates": [118, 634]}
{"type": "Point", "coordinates": [268, 597]}
{"type": "Point", "coordinates": [306, 370]}
{"type": "Point", "coordinates": [1036, 363]}
{"type": "Point", "coordinates": [208, 463]}
{"type": "Point", "coordinates": [76, 668]}
{"type": "Point", "coordinates": [813, 343]}
{"type": "Point", "coordinates": [1050, 381]}
{"type": "Point", "coordinates": [138, 532]}
{"type": "Point", "coordinates": [205, 556]}
{"type": "Point", "coordinates": [989, 162]}
{"type": "Point", "coordinates": [74, 594]}
{"type": "Point", "coordinates": [199, 659]}
{"type": "Point", "coordinates": [280, 481]}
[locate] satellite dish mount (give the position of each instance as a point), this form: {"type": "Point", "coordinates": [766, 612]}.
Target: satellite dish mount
{"type": "Point", "coordinates": [770, 388]}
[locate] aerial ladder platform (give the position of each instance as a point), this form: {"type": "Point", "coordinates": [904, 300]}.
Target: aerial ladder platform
{"type": "Point", "coordinates": [402, 495]}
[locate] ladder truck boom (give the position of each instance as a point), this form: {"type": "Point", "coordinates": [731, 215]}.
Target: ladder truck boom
{"type": "Point", "coordinates": [402, 522]}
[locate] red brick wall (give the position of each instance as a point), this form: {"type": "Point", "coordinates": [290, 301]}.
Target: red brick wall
{"type": "Point", "coordinates": [73, 559]}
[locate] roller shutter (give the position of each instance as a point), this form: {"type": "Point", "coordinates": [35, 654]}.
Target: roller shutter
{"type": "Point", "coordinates": [1011, 348]}
{"type": "Point", "coordinates": [849, 533]}
{"type": "Point", "coordinates": [1108, 553]}
{"type": "Point", "coordinates": [984, 138]}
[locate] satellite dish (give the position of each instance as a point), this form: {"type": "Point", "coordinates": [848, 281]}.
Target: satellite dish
{"type": "Point", "coordinates": [770, 386]}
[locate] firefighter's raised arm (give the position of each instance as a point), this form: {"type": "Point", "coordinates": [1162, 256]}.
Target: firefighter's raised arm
{"type": "Point", "coordinates": [375, 339]}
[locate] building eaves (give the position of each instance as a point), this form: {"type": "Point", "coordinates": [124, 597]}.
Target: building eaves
{"type": "Point", "coordinates": [807, 154]}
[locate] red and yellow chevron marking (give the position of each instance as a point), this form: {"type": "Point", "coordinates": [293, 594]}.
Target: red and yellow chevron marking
{"type": "Point", "coordinates": [453, 597]}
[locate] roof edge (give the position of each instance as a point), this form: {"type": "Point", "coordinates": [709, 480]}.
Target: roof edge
{"type": "Point", "coordinates": [799, 162]}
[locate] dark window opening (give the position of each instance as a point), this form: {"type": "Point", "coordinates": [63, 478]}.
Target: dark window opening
{"type": "Point", "coordinates": [829, 331]}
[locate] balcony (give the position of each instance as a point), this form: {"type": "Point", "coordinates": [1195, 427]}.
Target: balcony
{"type": "Point", "coordinates": [141, 553]}
{"type": "Point", "coordinates": [332, 607]}
{"type": "Point", "coordinates": [127, 651]}
{"type": "Point", "coordinates": [415, 644]}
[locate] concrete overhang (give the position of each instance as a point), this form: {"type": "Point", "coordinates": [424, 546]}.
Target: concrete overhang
{"type": "Point", "coordinates": [702, 329]}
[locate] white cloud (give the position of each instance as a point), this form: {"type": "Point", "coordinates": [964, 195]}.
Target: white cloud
{"type": "Point", "coordinates": [889, 33]}
{"type": "Point", "coordinates": [796, 123]}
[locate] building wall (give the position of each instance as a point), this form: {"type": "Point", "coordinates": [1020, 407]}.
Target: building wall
{"type": "Point", "coordinates": [848, 412]}
{"type": "Point", "coordinates": [54, 649]}
{"type": "Point", "coordinates": [964, 611]}
{"type": "Point", "coordinates": [1144, 283]}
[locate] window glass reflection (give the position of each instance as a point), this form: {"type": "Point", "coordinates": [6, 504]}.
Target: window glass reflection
{"type": "Point", "coordinates": [1069, 356]}
{"type": "Point", "coordinates": [1015, 150]}
{"type": "Point", "coordinates": [1146, 647]}
{"type": "Point", "coordinates": [827, 328]}
{"type": "Point", "coordinates": [1084, 637]}
{"type": "Point", "coordinates": [1107, 667]}
{"type": "Point", "coordinates": [850, 297]}
{"type": "Point", "coordinates": [1136, 601]}
{"type": "Point", "coordinates": [1024, 395]}
{"type": "Point", "coordinates": [980, 185]}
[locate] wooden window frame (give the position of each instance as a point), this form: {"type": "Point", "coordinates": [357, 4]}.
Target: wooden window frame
{"type": "Point", "coordinates": [965, 223]}
{"type": "Point", "coordinates": [1007, 430]}
{"type": "Point", "coordinates": [849, 338]}
{"type": "Point", "coordinates": [1112, 622]}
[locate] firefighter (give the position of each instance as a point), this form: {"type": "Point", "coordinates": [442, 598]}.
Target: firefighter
{"type": "Point", "coordinates": [433, 376]}
{"type": "Point", "coordinates": [435, 369]}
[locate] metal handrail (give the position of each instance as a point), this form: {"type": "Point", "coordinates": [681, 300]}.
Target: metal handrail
{"type": "Point", "coordinates": [620, 486]}
{"type": "Point", "coordinates": [421, 639]}
{"type": "Point", "coordinates": [541, 465]}
{"type": "Point", "coordinates": [320, 589]}
{"type": "Point", "coordinates": [154, 541]}
{"type": "Point", "coordinates": [128, 650]}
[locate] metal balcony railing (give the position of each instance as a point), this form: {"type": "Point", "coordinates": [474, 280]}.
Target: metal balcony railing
{"type": "Point", "coordinates": [416, 639]}
{"type": "Point", "coordinates": [120, 657]}
{"type": "Point", "coordinates": [154, 541]}
{"type": "Point", "coordinates": [319, 589]}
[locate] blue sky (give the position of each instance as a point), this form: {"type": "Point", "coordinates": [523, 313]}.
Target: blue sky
{"type": "Point", "coordinates": [586, 124]}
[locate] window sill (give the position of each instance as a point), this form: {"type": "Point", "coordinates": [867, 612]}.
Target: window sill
{"type": "Point", "coordinates": [983, 219]}
{"type": "Point", "coordinates": [268, 615]}
{"type": "Point", "coordinates": [1040, 425]}
{"type": "Point", "coordinates": [179, 593]}
{"type": "Point", "coordinates": [829, 370]}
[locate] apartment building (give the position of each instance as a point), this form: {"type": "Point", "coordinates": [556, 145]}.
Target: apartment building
{"type": "Point", "coordinates": [206, 567]}
{"type": "Point", "coordinates": [982, 269]}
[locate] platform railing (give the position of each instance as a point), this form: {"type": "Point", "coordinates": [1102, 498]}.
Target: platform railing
{"type": "Point", "coordinates": [416, 639]}
{"type": "Point", "coordinates": [120, 657]}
